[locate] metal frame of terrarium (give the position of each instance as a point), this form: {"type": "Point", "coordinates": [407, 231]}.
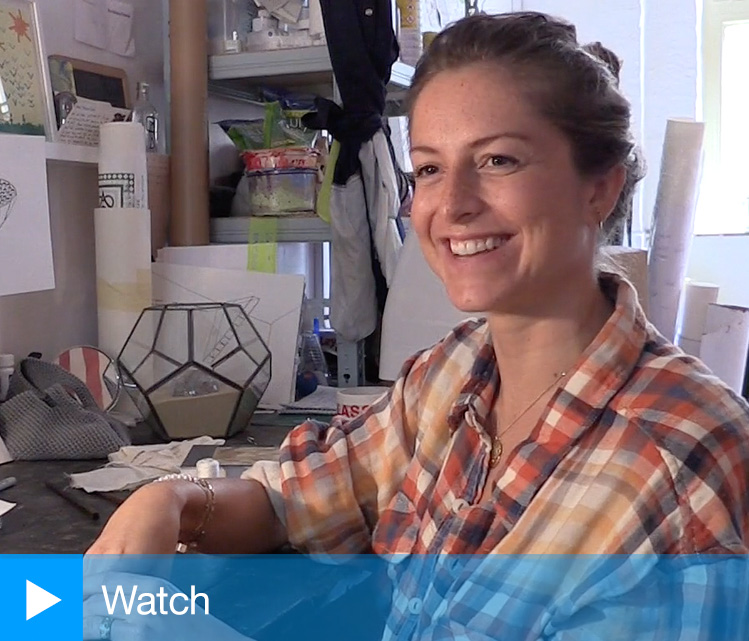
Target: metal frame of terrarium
{"type": "Point", "coordinates": [130, 376]}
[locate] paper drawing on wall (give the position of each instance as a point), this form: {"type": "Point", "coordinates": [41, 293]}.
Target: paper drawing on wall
{"type": "Point", "coordinates": [27, 108]}
{"type": "Point", "coordinates": [25, 239]}
{"type": "Point", "coordinates": [8, 195]}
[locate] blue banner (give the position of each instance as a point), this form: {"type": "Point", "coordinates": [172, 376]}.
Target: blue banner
{"type": "Point", "coordinates": [290, 596]}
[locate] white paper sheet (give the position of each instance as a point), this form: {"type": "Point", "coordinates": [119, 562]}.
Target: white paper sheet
{"type": "Point", "coordinates": [273, 302]}
{"type": "Point", "coordinates": [82, 123]}
{"type": "Point", "coordinates": [291, 258]}
{"type": "Point", "coordinates": [91, 23]}
{"type": "Point", "coordinates": [5, 456]}
{"type": "Point", "coordinates": [6, 507]}
{"type": "Point", "coordinates": [120, 26]}
{"type": "Point", "coordinates": [25, 237]}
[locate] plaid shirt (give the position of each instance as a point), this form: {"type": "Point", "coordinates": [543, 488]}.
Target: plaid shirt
{"type": "Point", "coordinates": [641, 450]}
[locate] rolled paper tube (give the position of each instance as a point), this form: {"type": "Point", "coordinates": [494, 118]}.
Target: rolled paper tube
{"type": "Point", "coordinates": [123, 273]}
{"type": "Point", "coordinates": [123, 173]}
{"type": "Point", "coordinates": [695, 300]}
{"type": "Point", "coordinates": [673, 217]}
{"type": "Point", "coordinates": [189, 222]}
{"type": "Point", "coordinates": [725, 343]}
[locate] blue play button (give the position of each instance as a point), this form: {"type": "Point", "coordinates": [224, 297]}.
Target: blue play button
{"type": "Point", "coordinates": [40, 596]}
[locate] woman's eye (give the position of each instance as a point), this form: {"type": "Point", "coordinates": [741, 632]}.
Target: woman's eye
{"type": "Point", "coordinates": [502, 161]}
{"type": "Point", "coordinates": [425, 170]}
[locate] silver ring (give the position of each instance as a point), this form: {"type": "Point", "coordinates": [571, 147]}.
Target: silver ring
{"type": "Point", "coordinates": [105, 629]}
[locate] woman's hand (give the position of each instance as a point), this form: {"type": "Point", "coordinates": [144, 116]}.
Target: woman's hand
{"type": "Point", "coordinates": [146, 523]}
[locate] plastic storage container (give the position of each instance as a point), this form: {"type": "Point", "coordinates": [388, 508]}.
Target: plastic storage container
{"type": "Point", "coordinates": [279, 191]}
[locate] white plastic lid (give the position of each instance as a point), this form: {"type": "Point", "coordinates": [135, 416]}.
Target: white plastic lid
{"type": "Point", "coordinates": [7, 360]}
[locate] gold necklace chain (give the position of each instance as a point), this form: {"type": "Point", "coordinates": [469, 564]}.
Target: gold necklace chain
{"type": "Point", "coordinates": [496, 452]}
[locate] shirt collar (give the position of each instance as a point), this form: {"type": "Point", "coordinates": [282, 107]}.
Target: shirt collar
{"type": "Point", "coordinates": [600, 372]}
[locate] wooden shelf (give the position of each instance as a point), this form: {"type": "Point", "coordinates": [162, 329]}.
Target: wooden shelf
{"type": "Point", "coordinates": [306, 68]}
{"type": "Point", "coordinates": [291, 229]}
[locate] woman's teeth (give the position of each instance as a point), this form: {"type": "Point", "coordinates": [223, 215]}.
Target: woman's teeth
{"type": "Point", "coordinates": [476, 246]}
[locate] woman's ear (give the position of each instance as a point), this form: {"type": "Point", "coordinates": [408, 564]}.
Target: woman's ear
{"type": "Point", "coordinates": [605, 193]}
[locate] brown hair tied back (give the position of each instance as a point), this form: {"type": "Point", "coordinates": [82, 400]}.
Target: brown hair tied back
{"type": "Point", "coordinates": [574, 87]}
{"type": "Point", "coordinates": [607, 57]}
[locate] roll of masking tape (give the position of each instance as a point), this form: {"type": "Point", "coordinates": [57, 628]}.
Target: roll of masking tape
{"type": "Point", "coordinates": [353, 401]}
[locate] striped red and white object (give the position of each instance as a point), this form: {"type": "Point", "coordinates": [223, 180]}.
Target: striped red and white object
{"type": "Point", "coordinates": [89, 364]}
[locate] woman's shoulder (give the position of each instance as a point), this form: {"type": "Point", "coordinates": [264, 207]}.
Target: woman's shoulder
{"type": "Point", "coordinates": [675, 391]}
{"type": "Point", "coordinates": [700, 427]}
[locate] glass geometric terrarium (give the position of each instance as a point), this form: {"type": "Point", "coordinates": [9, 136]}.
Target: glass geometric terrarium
{"type": "Point", "coordinates": [195, 369]}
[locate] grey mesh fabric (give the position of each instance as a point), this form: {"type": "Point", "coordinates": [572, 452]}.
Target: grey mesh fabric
{"type": "Point", "coordinates": [51, 414]}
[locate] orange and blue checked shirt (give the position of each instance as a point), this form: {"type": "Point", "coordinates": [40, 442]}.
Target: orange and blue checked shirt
{"type": "Point", "coordinates": [641, 450]}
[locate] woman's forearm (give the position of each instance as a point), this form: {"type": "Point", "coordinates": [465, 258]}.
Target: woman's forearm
{"type": "Point", "coordinates": [243, 520]}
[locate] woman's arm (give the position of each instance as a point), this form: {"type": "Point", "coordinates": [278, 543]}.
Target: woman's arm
{"type": "Point", "coordinates": [158, 516]}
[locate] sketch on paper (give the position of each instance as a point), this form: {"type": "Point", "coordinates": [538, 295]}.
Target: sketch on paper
{"type": "Point", "coordinates": [272, 301]}
{"type": "Point", "coordinates": [25, 238]}
{"type": "Point", "coordinates": [8, 195]}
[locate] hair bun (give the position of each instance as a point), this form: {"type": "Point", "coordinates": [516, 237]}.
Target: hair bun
{"type": "Point", "coordinates": [606, 56]}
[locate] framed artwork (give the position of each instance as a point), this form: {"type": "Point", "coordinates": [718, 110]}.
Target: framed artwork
{"type": "Point", "coordinates": [25, 94]}
{"type": "Point", "coordinates": [89, 80]}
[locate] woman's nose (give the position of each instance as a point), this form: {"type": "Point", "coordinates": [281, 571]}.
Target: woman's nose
{"type": "Point", "coordinates": [461, 196]}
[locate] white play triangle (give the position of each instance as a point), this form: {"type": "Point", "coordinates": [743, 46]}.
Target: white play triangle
{"type": "Point", "coordinates": [38, 600]}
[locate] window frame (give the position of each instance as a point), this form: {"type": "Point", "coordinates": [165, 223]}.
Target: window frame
{"type": "Point", "coordinates": [716, 15]}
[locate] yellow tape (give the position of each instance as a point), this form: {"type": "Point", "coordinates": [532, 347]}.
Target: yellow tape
{"type": "Point", "coordinates": [262, 249]}
{"type": "Point", "coordinates": [323, 196]}
{"type": "Point", "coordinates": [125, 297]}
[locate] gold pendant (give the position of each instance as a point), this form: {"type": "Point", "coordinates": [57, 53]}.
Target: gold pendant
{"type": "Point", "coordinates": [496, 453]}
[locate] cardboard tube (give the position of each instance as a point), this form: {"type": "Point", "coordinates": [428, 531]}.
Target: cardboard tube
{"type": "Point", "coordinates": [189, 223]}
{"type": "Point", "coordinates": [673, 218]}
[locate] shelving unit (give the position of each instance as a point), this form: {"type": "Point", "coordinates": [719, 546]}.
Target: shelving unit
{"type": "Point", "coordinates": [306, 69]}
{"type": "Point", "coordinates": [290, 229]}
{"type": "Point", "coordinates": [63, 152]}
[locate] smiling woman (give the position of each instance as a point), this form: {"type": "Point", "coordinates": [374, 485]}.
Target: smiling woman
{"type": "Point", "coordinates": [563, 424]}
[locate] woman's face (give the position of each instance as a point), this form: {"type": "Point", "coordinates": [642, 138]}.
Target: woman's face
{"type": "Point", "coordinates": [503, 216]}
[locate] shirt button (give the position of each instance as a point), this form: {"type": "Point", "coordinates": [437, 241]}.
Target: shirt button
{"type": "Point", "coordinates": [414, 606]}
{"type": "Point", "coordinates": [460, 504]}
{"type": "Point", "coordinates": [369, 12]}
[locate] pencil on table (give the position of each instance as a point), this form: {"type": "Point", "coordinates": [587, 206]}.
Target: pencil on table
{"type": "Point", "coordinates": [73, 500]}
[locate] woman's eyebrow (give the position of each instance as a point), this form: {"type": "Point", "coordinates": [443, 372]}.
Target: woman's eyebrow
{"type": "Point", "coordinates": [480, 142]}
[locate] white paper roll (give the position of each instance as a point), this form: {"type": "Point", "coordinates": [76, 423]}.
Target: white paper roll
{"type": "Point", "coordinates": [123, 171]}
{"type": "Point", "coordinates": [123, 272]}
{"type": "Point", "coordinates": [694, 301]}
{"type": "Point", "coordinates": [673, 219]}
{"type": "Point", "coordinates": [725, 343]}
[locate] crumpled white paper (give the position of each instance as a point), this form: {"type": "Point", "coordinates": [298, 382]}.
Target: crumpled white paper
{"type": "Point", "coordinates": [133, 465]}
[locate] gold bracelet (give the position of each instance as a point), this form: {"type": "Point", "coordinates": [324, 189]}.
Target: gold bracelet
{"type": "Point", "coordinates": [210, 504]}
